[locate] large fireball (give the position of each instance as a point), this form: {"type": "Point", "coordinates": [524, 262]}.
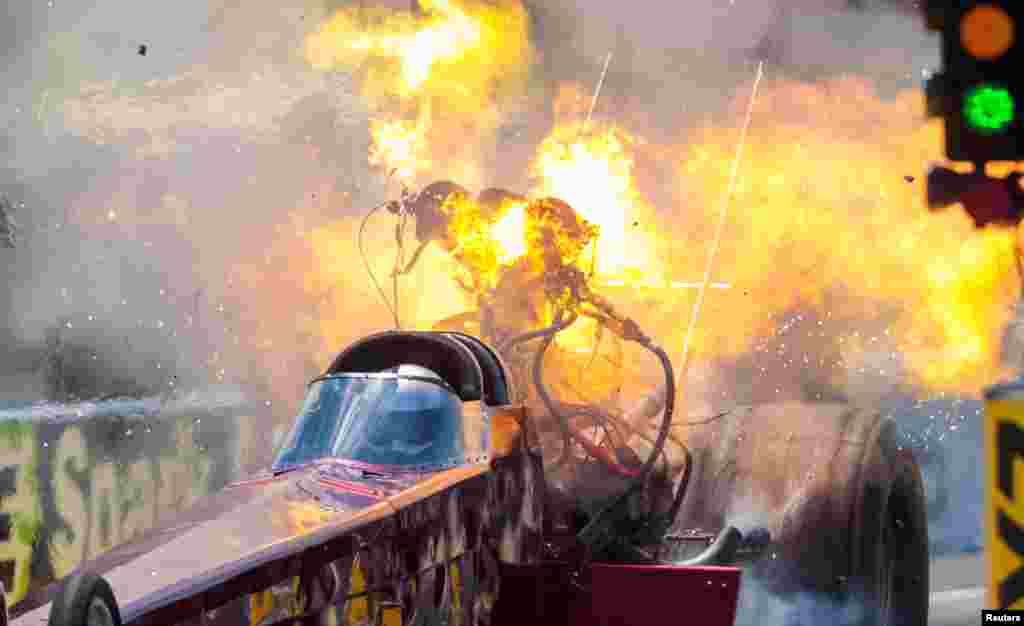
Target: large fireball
{"type": "Point", "coordinates": [591, 166]}
{"type": "Point", "coordinates": [829, 215]}
{"type": "Point", "coordinates": [435, 79]}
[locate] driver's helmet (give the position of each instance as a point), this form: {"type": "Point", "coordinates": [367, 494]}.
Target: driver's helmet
{"type": "Point", "coordinates": [416, 371]}
{"type": "Point", "coordinates": [416, 417]}
{"type": "Point", "coordinates": [408, 370]}
{"type": "Point", "coordinates": [432, 214]}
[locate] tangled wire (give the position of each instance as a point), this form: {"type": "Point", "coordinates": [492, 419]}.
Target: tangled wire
{"type": "Point", "coordinates": [556, 235]}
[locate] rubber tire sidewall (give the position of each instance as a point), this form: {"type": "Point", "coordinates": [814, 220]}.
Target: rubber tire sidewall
{"type": "Point", "coordinates": [909, 597]}
{"type": "Point", "coordinates": [71, 606]}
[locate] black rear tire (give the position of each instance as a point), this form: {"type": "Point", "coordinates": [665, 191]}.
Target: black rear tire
{"type": "Point", "coordinates": [893, 572]}
{"type": "Point", "coordinates": [85, 599]}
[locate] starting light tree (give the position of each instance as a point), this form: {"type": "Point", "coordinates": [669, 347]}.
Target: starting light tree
{"type": "Point", "coordinates": [980, 94]}
{"type": "Point", "coordinates": [979, 90]}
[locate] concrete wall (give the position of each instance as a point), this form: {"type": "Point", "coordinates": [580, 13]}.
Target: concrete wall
{"type": "Point", "coordinates": [76, 480]}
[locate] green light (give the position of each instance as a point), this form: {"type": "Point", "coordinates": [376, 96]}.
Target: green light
{"type": "Point", "coordinates": [989, 109]}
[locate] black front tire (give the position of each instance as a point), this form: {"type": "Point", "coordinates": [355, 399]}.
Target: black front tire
{"type": "Point", "coordinates": [85, 599]}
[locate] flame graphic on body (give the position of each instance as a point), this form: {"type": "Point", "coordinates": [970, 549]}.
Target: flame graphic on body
{"type": "Point", "coordinates": [436, 76]}
{"type": "Point", "coordinates": [302, 517]}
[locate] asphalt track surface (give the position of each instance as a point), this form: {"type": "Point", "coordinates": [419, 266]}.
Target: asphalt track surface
{"type": "Point", "coordinates": [958, 591]}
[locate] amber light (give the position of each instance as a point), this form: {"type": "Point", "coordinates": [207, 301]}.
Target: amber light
{"type": "Point", "coordinates": [987, 32]}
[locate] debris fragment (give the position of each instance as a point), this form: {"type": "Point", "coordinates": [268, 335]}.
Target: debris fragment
{"type": "Point", "coordinates": [142, 50]}
{"type": "Point", "coordinates": [8, 228]}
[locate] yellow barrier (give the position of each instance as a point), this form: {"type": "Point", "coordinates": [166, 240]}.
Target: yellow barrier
{"type": "Point", "coordinates": [1004, 487]}
{"type": "Point", "coordinates": [390, 614]}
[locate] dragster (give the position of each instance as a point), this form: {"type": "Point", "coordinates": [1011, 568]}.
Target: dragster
{"type": "Point", "coordinates": [431, 477]}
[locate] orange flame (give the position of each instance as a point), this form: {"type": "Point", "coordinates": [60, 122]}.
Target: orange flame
{"type": "Point", "coordinates": [398, 144]}
{"type": "Point", "coordinates": [509, 231]}
{"type": "Point", "coordinates": [443, 72]}
{"type": "Point", "coordinates": [823, 217]}
{"type": "Point", "coordinates": [591, 166]}
{"type": "Point", "coordinates": [592, 170]}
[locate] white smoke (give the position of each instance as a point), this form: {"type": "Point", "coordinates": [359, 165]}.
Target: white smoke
{"type": "Point", "coordinates": [747, 512]}
{"type": "Point", "coordinates": [212, 399]}
{"type": "Point", "coordinates": [757, 606]}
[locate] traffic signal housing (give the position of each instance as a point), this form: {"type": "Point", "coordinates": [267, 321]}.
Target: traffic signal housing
{"type": "Point", "coordinates": [989, 201]}
{"type": "Point", "coordinates": [979, 91]}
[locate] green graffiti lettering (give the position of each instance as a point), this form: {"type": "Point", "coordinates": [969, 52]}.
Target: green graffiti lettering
{"type": "Point", "coordinates": [22, 508]}
{"type": "Point", "coordinates": [185, 475]}
{"type": "Point", "coordinates": [104, 509]}
{"type": "Point", "coordinates": [14, 435]}
{"type": "Point", "coordinates": [70, 480]}
{"type": "Point", "coordinates": [98, 489]}
{"type": "Point", "coordinates": [138, 504]}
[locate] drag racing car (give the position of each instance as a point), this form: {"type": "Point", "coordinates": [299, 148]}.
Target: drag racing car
{"type": "Point", "coordinates": [412, 490]}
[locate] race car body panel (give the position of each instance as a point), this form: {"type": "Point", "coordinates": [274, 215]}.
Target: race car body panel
{"type": "Point", "coordinates": [389, 482]}
{"type": "Point", "coordinates": [252, 525]}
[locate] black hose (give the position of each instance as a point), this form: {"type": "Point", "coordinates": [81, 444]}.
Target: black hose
{"type": "Point", "coordinates": [670, 402]}
{"type": "Point", "coordinates": [684, 484]}
{"type": "Point", "coordinates": [637, 482]}
{"type": "Point", "coordinates": [593, 529]}
{"type": "Point", "coordinates": [538, 380]}
{"type": "Point", "coordinates": [547, 331]}
{"type": "Point", "coordinates": [366, 264]}
{"type": "Point", "coordinates": [599, 414]}
{"type": "Point", "coordinates": [670, 394]}
{"type": "Point", "coordinates": [415, 257]}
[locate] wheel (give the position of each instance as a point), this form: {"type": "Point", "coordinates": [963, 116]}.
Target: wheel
{"type": "Point", "coordinates": [893, 563]}
{"type": "Point", "coordinates": [936, 477]}
{"type": "Point", "coordinates": [844, 506]}
{"type": "Point", "coordinates": [85, 599]}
